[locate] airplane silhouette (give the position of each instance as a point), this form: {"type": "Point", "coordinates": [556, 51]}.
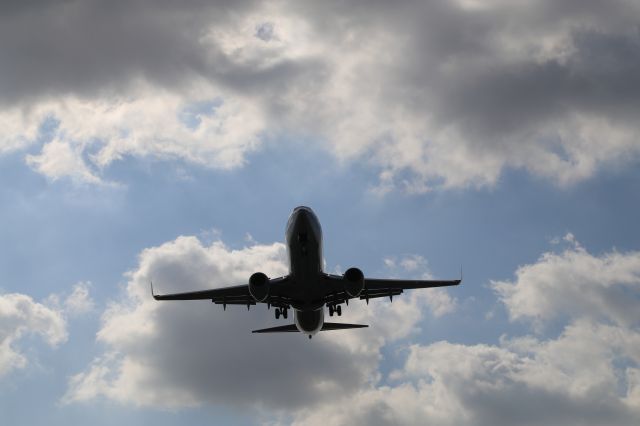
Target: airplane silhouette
{"type": "Point", "coordinates": [306, 289]}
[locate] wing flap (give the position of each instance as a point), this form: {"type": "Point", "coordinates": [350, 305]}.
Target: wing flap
{"type": "Point", "coordinates": [236, 302]}
{"type": "Point", "coordinates": [372, 294]}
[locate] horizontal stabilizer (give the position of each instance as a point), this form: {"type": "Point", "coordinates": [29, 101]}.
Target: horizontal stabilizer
{"type": "Point", "coordinates": [340, 326]}
{"type": "Point", "coordinates": [291, 328]}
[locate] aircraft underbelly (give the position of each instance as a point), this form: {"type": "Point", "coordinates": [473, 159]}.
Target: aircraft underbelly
{"type": "Point", "coordinates": [304, 246]}
{"type": "Point", "coordinates": [305, 272]}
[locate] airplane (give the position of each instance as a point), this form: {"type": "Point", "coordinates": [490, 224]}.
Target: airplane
{"type": "Point", "coordinates": [307, 289]}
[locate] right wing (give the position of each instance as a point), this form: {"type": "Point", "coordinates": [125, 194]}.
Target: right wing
{"type": "Point", "coordinates": [378, 287]}
{"type": "Point", "coordinates": [236, 295]}
{"type": "Point", "coordinates": [380, 284]}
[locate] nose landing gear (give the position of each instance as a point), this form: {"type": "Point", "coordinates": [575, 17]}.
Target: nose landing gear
{"type": "Point", "coordinates": [282, 311]}
{"type": "Point", "coordinates": [336, 309]}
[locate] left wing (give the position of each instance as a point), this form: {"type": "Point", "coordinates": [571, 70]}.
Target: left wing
{"type": "Point", "coordinates": [235, 295]}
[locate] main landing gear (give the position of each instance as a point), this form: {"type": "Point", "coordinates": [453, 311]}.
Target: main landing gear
{"type": "Point", "coordinates": [336, 309]}
{"type": "Point", "coordinates": [282, 311]}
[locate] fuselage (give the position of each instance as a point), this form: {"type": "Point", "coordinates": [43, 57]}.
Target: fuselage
{"type": "Point", "coordinates": [304, 247]}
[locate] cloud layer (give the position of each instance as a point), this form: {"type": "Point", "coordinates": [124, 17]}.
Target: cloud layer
{"type": "Point", "coordinates": [20, 316]}
{"type": "Point", "coordinates": [177, 354]}
{"type": "Point", "coordinates": [442, 94]}
{"type": "Point", "coordinates": [165, 354]}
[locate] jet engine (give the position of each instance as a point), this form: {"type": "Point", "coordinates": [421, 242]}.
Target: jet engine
{"type": "Point", "coordinates": [353, 282]}
{"type": "Point", "coordinates": [259, 286]}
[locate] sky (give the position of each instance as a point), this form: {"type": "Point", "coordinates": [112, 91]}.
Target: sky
{"type": "Point", "coordinates": [154, 141]}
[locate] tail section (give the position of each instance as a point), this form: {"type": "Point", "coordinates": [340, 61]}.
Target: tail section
{"type": "Point", "coordinates": [340, 326]}
{"type": "Point", "coordinates": [291, 328]}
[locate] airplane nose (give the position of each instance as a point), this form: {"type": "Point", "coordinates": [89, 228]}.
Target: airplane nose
{"type": "Point", "coordinates": [302, 218]}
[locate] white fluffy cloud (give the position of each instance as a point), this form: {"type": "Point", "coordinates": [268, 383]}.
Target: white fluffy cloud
{"type": "Point", "coordinates": [79, 301]}
{"type": "Point", "coordinates": [92, 134]}
{"type": "Point", "coordinates": [20, 316]}
{"type": "Point", "coordinates": [431, 93]}
{"type": "Point", "coordinates": [59, 159]}
{"type": "Point", "coordinates": [588, 375]}
{"type": "Point", "coordinates": [438, 300]}
{"type": "Point", "coordinates": [576, 283]}
{"type": "Point", "coordinates": [176, 354]}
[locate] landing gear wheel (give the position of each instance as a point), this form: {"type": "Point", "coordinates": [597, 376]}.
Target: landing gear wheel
{"type": "Point", "coordinates": [339, 310]}
{"type": "Point", "coordinates": [330, 311]}
{"type": "Point", "coordinates": [277, 313]}
{"type": "Point", "coordinates": [285, 313]}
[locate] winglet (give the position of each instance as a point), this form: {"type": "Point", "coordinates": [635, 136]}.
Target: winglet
{"type": "Point", "coordinates": [460, 272]}
{"type": "Point", "coordinates": [152, 294]}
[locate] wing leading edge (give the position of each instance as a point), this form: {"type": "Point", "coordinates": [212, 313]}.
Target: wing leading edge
{"type": "Point", "coordinates": [379, 287]}
{"type": "Point", "coordinates": [376, 284]}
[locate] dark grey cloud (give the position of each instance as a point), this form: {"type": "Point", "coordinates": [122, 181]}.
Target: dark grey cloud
{"type": "Point", "coordinates": [92, 47]}
{"type": "Point", "coordinates": [601, 77]}
{"type": "Point", "coordinates": [523, 405]}
{"type": "Point", "coordinates": [213, 355]}
{"type": "Point", "coordinates": [430, 87]}
{"type": "Point", "coordinates": [452, 62]}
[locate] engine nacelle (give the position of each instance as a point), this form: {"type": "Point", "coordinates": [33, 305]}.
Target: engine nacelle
{"type": "Point", "coordinates": [259, 286]}
{"type": "Point", "coordinates": [353, 282]}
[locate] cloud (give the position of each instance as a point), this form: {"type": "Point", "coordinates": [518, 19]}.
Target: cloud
{"type": "Point", "coordinates": [574, 380]}
{"type": "Point", "coordinates": [575, 283]}
{"type": "Point", "coordinates": [156, 355]}
{"type": "Point", "coordinates": [58, 159]}
{"type": "Point", "coordinates": [79, 301]}
{"type": "Point", "coordinates": [91, 135]}
{"type": "Point", "coordinates": [438, 300]}
{"type": "Point", "coordinates": [177, 354]}
{"type": "Point", "coordinates": [432, 94]}
{"type": "Point", "coordinates": [20, 316]}
{"type": "Point", "coordinates": [587, 375]}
